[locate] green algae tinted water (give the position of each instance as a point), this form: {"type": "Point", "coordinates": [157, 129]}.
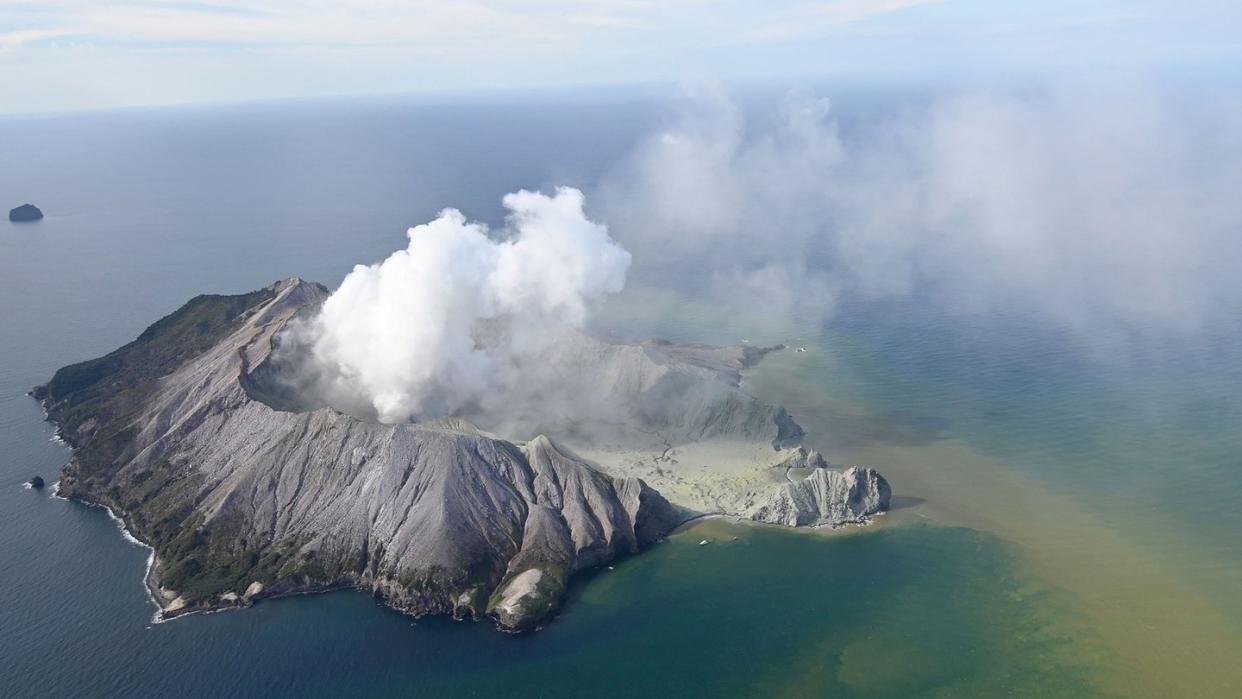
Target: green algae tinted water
{"type": "Point", "coordinates": [1064, 530]}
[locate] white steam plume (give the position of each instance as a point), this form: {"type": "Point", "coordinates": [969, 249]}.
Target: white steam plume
{"type": "Point", "coordinates": [437, 326]}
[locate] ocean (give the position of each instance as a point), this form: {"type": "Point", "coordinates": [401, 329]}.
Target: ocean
{"type": "Point", "coordinates": [1063, 525]}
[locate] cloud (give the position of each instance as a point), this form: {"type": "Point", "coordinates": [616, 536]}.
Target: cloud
{"type": "Point", "coordinates": [141, 52]}
{"type": "Point", "coordinates": [13, 40]}
{"type": "Point", "coordinates": [289, 23]}
{"type": "Point", "coordinates": [1107, 210]}
{"type": "Point", "coordinates": [821, 16]}
{"type": "Point", "coordinates": [387, 22]}
{"type": "Point", "coordinates": [439, 326]}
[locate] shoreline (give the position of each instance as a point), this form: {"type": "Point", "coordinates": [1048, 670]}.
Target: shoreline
{"type": "Point", "coordinates": [161, 615]}
{"type": "Point", "coordinates": [705, 480]}
{"type": "Point", "coordinates": [871, 521]}
{"type": "Point", "coordinates": [128, 536]}
{"type": "Point", "coordinates": [150, 580]}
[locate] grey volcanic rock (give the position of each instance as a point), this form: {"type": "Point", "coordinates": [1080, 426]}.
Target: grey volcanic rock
{"type": "Point", "coordinates": [825, 497]}
{"type": "Point", "coordinates": [602, 391]}
{"type": "Point", "coordinates": [697, 397]}
{"type": "Point", "coordinates": [25, 212]}
{"type": "Point", "coordinates": [577, 387]}
{"type": "Point", "coordinates": [36, 483]}
{"type": "Point", "coordinates": [579, 518]}
{"type": "Point", "coordinates": [803, 458]}
{"type": "Point", "coordinates": [242, 501]}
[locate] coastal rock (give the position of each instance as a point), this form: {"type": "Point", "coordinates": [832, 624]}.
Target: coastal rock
{"type": "Point", "coordinates": [24, 213]}
{"type": "Point", "coordinates": [825, 497]}
{"type": "Point", "coordinates": [36, 483]}
{"type": "Point", "coordinates": [526, 598]}
{"type": "Point", "coordinates": [252, 590]}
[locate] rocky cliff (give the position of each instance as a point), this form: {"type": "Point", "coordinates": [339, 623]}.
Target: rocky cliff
{"type": "Point", "coordinates": [824, 497]}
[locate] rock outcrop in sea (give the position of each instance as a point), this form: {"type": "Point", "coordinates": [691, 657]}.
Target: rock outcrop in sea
{"type": "Point", "coordinates": [24, 213]}
{"type": "Point", "coordinates": [824, 497]}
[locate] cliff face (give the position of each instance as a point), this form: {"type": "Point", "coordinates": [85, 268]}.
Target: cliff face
{"type": "Point", "coordinates": [824, 497]}
{"type": "Point", "coordinates": [240, 500]}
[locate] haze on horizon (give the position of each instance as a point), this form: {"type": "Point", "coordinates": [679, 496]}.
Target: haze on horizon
{"type": "Point", "coordinates": [70, 55]}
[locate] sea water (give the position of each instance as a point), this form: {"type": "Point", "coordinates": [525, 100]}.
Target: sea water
{"type": "Point", "coordinates": [1062, 526]}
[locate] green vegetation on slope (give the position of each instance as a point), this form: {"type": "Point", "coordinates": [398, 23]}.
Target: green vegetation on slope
{"type": "Point", "coordinates": [94, 402]}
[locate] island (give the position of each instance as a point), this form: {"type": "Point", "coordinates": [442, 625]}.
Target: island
{"type": "Point", "coordinates": [25, 213]}
{"type": "Point", "coordinates": [36, 483]}
{"type": "Point", "coordinates": [197, 437]}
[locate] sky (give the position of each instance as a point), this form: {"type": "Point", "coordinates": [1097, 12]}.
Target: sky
{"type": "Point", "coordinates": [68, 55]}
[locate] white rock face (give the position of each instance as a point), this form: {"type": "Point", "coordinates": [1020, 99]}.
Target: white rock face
{"type": "Point", "coordinates": [825, 497]}
{"type": "Point", "coordinates": [518, 594]}
{"type": "Point", "coordinates": [252, 590]}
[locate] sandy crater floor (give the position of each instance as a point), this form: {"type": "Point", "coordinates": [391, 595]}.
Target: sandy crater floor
{"type": "Point", "coordinates": [712, 476]}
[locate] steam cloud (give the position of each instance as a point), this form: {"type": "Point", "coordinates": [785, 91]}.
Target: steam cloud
{"type": "Point", "coordinates": [437, 327]}
{"type": "Point", "coordinates": [1104, 210]}
{"type": "Point", "coordinates": [1107, 212]}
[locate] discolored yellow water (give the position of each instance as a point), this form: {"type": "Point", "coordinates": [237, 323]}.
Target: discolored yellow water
{"type": "Point", "coordinates": [1144, 568]}
{"type": "Point", "coordinates": [1140, 590]}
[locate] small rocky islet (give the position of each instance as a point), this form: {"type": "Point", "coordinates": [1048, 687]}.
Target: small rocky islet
{"type": "Point", "coordinates": [241, 494]}
{"type": "Point", "coordinates": [25, 214]}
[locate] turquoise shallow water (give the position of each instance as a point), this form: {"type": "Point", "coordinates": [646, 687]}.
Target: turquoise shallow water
{"type": "Point", "coordinates": [958, 594]}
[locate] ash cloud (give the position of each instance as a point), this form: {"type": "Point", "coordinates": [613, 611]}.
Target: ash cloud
{"type": "Point", "coordinates": [442, 327]}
